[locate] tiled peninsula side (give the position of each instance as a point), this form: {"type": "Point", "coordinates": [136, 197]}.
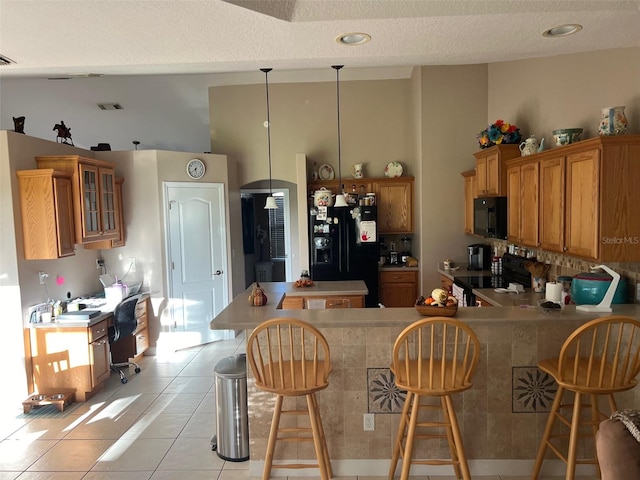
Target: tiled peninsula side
{"type": "Point", "coordinates": [502, 417]}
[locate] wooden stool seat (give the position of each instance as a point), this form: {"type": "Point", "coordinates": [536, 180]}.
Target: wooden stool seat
{"type": "Point", "coordinates": [600, 358]}
{"type": "Point", "coordinates": [433, 357]}
{"type": "Point", "coordinates": [290, 358]}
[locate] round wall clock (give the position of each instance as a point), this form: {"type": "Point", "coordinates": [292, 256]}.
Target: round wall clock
{"type": "Point", "coordinates": [196, 168]}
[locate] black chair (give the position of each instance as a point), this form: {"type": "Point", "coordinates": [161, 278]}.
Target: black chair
{"type": "Point", "coordinates": [125, 323]}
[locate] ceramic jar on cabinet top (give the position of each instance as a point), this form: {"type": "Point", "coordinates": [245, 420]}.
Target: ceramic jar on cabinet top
{"type": "Point", "coordinates": [613, 121]}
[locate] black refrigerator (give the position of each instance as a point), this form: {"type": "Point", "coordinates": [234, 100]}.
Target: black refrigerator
{"type": "Point", "coordinates": [343, 245]}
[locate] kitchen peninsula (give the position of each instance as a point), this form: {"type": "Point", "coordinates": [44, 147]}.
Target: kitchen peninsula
{"type": "Point", "coordinates": [502, 417]}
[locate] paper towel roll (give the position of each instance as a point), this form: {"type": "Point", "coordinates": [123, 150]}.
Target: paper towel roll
{"type": "Point", "coordinates": [554, 291]}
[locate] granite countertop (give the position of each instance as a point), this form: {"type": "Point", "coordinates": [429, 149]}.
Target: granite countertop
{"type": "Point", "coordinates": [239, 315]}
{"type": "Point", "coordinates": [347, 287]}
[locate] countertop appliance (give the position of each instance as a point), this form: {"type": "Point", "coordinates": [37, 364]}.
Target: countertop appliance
{"type": "Point", "coordinates": [479, 256]}
{"type": "Point", "coordinates": [490, 217]}
{"type": "Point", "coordinates": [513, 271]}
{"type": "Point", "coordinates": [344, 246]}
{"type": "Point", "coordinates": [589, 288]}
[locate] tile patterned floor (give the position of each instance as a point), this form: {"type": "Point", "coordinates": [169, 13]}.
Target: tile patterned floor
{"type": "Point", "coordinates": [158, 426]}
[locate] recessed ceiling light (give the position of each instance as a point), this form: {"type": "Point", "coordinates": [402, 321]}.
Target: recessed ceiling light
{"type": "Point", "coordinates": [562, 30]}
{"type": "Point", "coordinates": [354, 38]}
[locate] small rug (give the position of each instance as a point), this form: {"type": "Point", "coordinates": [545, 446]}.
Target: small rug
{"type": "Point", "coordinates": [49, 411]}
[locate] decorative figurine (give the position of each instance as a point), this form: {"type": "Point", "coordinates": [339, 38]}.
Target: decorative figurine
{"type": "Point", "coordinates": [18, 124]}
{"type": "Point", "coordinates": [64, 133]}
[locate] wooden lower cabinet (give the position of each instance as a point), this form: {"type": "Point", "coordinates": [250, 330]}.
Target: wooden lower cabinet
{"type": "Point", "coordinates": [132, 346]}
{"type": "Point", "coordinates": [399, 288]}
{"type": "Point", "coordinates": [297, 303]}
{"type": "Point", "coordinates": [70, 359]}
{"type": "Point", "coordinates": [446, 283]}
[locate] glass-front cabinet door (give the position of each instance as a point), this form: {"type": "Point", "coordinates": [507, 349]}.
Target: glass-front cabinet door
{"type": "Point", "coordinates": [108, 202]}
{"type": "Point", "coordinates": [98, 203]}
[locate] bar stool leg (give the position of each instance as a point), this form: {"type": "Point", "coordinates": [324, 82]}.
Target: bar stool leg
{"type": "Point", "coordinates": [317, 439]}
{"type": "Point", "coordinates": [325, 450]}
{"type": "Point", "coordinates": [411, 435]}
{"type": "Point", "coordinates": [573, 436]}
{"type": "Point", "coordinates": [402, 428]}
{"type": "Point", "coordinates": [452, 443]}
{"type": "Point", "coordinates": [547, 433]}
{"type": "Point", "coordinates": [273, 435]}
{"type": "Point", "coordinates": [458, 439]}
{"type": "Point", "coordinates": [612, 404]}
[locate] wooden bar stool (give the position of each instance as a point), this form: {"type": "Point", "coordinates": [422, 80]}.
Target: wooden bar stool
{"type": "Point", "coordinates": [290, 358]}
{"type": "Point", "coordinates": [599, 358]}
{"type": "Point", "coordinates": [433, 357]}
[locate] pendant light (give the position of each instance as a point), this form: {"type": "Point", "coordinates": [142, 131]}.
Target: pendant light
{"type": "Point", "coordinates": [340, 200]}
{"type": "Point", "coordinates": [271, 201]}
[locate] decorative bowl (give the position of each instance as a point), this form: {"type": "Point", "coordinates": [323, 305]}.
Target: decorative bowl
{"type": "Point", "coordinates": [431, 311]}
{"type": "Point", "coordinates": [565, 136]}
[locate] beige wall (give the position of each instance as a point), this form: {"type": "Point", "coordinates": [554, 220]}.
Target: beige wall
{"type": "Point", "coordinates": [453, 104]}
{"type": "Point", "coordinates": [375, 119]}
{"type": "Point", "coordinates": [143, 192]}
{"type": "Point", "coordinates": [544, 94]}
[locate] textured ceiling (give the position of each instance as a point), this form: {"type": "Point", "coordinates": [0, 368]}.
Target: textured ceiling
{"type": "Point", "coordinates": [56, 38]}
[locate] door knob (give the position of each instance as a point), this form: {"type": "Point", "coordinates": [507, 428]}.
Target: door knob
{"type": "Point", "coordinates": [218, 272]}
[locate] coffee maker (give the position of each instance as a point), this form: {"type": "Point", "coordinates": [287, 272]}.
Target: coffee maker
{"type": "Point", "coordinates": [479, 256]}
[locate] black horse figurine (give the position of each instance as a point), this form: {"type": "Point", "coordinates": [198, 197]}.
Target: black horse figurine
{"type": "Point", "coordinates": [64, 133]}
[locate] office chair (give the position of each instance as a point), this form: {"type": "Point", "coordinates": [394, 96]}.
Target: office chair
{"type": "Point", "coordinates": [125, 323]}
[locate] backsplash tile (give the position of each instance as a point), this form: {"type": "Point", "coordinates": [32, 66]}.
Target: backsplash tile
{"type": "Point", "coordinates": [562, 265]}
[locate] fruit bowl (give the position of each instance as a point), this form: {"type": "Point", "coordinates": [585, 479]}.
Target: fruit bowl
{"type": "Point", "coordinates": [434, 311]}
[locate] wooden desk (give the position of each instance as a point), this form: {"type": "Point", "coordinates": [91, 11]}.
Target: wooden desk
{"type": "Point", "coordinates": [71, 358]}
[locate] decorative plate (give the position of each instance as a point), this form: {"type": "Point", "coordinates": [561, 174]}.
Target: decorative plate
{"type": "Point", "coordinates": [325, 172]}
{"type": "Point", "coordinates": [393, 169]}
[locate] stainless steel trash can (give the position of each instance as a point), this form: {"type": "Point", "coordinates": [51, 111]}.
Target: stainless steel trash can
{"type": "Point", "coordinates": [232, 420]}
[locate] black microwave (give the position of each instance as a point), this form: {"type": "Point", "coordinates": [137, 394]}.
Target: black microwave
{"type": "Point", "coordinates": [490, 217]}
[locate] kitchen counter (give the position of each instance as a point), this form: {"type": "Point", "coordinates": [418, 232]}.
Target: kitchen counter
{"type": "Point", "coordinates": [393, 268]}
{"type": "Point", "coordinates": [501, 427]}
{"type": "Point", "coordinates": [71, 323]}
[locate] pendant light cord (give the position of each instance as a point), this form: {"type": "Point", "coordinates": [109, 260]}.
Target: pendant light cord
{"type": "Point", "coordinates": [337, 69]}
{"type": "Point", "coordinates": [266, 82]}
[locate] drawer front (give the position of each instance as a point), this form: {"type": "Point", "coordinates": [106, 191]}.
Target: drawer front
{"type": "Point", "coordinates": [98, 330]}
{"type": "Point", "coordinates": [397, 277]}
{"type": "Point", "coordinates": [142, 341]}
{"type": "Point", "coordinates": [141, 309]}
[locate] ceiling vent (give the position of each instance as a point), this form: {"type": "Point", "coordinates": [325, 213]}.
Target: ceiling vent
{"type": "Point", "coordinates": [5, 61]}
{"type": "Point", "coordinates": [109, 106]}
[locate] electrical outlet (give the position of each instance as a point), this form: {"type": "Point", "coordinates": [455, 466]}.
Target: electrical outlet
{"type": "Point", "coordinates": [99, 263]}
{"type": "Point", "coordinates": [369, 422]}
{"type": "Point", "coordinates": [42, 277]}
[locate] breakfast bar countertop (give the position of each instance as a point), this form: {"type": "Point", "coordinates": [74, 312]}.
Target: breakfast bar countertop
{"type": "Point", "coordinates": [239, 314]}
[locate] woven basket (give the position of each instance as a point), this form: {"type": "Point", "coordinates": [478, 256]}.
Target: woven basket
{"type": "Point", "coordinates": [431, 311]}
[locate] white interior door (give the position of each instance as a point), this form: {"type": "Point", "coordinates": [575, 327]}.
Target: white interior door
{"type": "Point", "coordinates": [196, 253]}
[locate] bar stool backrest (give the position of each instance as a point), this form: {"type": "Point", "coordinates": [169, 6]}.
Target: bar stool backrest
{"type": "Point", "coordinates": [602, 355]}
{"type": "Point", "coordinates": [289, 357]}
{"type": "Point", "coordinates": [437, 354]}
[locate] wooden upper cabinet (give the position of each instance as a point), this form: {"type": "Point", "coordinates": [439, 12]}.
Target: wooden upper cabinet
{"type": "Point", "coordinates": [491, 175]}
{"type": "Point", "coordinates": [469, 195]}
{"type": "Point", "coordinates": [394, 199]}
{"type": "Point", "coordinates": [583, 204]}
{"type": "Point", "coordinates": [119, 241]}
{"type": "Point", "coordinates": [46, 203]}
{"type": "Point", "coordinates": [94, 200]}
{"type": "Point", "coordinates": [522, 203]}
{"type": "Point", "coordinates": [589, 202]}
{"type": "Point", "coordinates": [395, 204]}
{"type": "Point", "coordinates": [552, 204]}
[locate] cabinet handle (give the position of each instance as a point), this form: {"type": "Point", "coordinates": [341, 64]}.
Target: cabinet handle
{"type": "Point", "coordinates": [564, 249]}
{"type": "Point", "coordinates": [142, 337]}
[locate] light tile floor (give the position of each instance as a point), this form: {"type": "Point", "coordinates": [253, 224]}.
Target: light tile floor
{"type": "Point", "coordinates": [158, 426]}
